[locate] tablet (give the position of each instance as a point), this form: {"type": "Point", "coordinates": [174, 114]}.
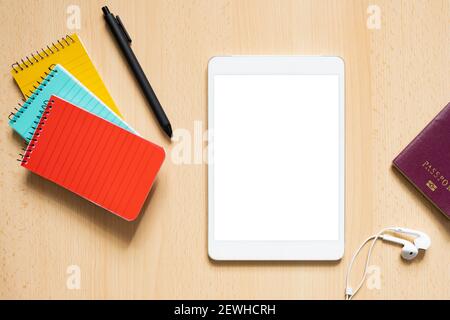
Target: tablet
{"type": "Point", "coordinates": [276, 158]}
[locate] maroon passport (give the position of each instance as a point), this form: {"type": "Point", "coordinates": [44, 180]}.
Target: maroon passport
{"type": "Point", "coordinates": [425, 162]}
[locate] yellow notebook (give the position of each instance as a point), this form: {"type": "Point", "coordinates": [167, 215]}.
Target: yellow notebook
{"type": "Point", "coordinates": [71, 54]}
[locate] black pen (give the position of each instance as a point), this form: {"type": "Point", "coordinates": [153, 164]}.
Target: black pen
{"type": "Point", "coordinates": [124, 40]}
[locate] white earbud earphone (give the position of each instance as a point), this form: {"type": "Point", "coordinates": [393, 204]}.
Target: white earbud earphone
{"type": "Point", "coordinates": [422, 240]}
{"type": "Point", "coordinates": [409, 250]}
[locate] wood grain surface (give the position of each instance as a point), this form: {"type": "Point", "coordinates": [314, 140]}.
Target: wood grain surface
{"type": "Point", "coordinates": [397, 80]}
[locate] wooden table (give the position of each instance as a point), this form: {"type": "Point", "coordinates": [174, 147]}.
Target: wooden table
{"type": "Point", "coordinates": [397, 79]}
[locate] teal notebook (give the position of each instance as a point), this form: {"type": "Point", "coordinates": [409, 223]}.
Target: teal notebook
{"type": "Point", "coordinates": [61, 83]}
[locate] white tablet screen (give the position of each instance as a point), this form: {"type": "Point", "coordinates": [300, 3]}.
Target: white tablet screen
{"type": "Point", "coordinates": [276, 157]}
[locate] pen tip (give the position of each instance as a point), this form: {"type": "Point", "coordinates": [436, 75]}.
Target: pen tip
{"type": "Point", "coordinates": [168, 130]}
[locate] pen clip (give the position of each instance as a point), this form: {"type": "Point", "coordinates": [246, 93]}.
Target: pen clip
{"type": "Point", "coordinates": [119, 22]}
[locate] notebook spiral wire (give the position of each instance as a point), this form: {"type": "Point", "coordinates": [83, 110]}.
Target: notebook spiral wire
{"type": "Point", "coordinates": [41, 54]}
{"type": "Point", "coordinates": [17, 112]}
{"type": "Point", "coordinates": [39, 123]}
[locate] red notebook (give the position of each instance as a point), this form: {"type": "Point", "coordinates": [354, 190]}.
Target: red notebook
{"type": "Point", "coordinates": [93, 158]}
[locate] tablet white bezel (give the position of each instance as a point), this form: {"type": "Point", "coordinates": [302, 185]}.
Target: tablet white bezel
{"type": "Point", "coordinates": [276, 250]}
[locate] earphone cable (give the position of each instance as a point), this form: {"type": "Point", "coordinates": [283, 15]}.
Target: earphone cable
{"type": "Point", "coordinates": [349, 293]}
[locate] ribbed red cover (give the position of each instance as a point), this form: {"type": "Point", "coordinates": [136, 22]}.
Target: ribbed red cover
{"type": "Point", "coordinates": [93, 158]}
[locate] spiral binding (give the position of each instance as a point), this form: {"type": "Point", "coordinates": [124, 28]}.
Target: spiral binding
{"type": "Point", "coordinates": [38, 127]}
{"type": "Point", "coordinates": [15, 115]}
{"type": "Point", "coordinates": [37, 57]}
